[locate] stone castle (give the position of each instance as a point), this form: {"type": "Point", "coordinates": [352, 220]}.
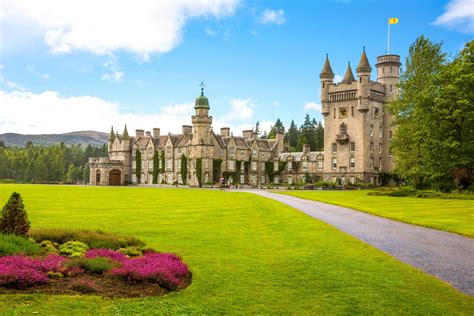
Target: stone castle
{"type": "Point", "coordinates": [357, 135]}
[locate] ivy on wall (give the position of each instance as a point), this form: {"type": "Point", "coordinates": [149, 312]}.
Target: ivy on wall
{"type": "Point", "coordinates": [156, 166]}
{"type": "Point", "coordinates": [216, 169]}
{"type": "Point", "coordinates": [184, 168]}
{"type": "Point", "coordinates": [138, 165]}
{"type": "Point", "coordinates": [199, 171]}
{"type": "Point", "coordinates": [162, 157]}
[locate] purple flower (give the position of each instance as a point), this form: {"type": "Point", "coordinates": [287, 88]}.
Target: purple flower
{"type": "Point", "coordinates": [106, 253]}
{"type": "Point", "coordinates": [163, 268]}
{"type": "Point", "coordinates": [21, 271]}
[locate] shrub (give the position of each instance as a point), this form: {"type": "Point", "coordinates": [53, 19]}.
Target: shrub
{"type": "Point", "coordinates": [21, 271]}
{"type": "Point", "coordinates": [95, 239]}
{"type": "Point", "coordinates": [55, 275]}
{"type": "Point", "coordinates": [73, 249]}
{"type": "Point", "coordinates": [165, 269]}
{"type": "Point", "coordinates": [93, 265]}
{"type": "Point", "coordinates": [106, 253]}
{"type": "Point", "coordinates": [14, 218]}
{"type": "Point", "coordinates": [131, 251]}
{"type": "Point", "coordinates": [83, 286]}
{"type": "Point", "coordinates": [13, 245]}
{"type": "Point", "coordinates": [50, 247]}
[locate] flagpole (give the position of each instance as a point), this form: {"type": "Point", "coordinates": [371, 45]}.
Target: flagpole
{"type": "Point", "coordinates": [388, 39]}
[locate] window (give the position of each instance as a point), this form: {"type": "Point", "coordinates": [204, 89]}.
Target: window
{"type": "Point", "coordinates": [334, 179]}
{"type": "Point", "coordinates": [242, 178]}
{"type": "Point", "coordinates": [242, 167]}
{"type": "Point", "coordinates": [178, 165]}
{"type": "Point", "coordinates": [334, 113]}
{"type": "Point", "coordinates": [391, 69]}
{"type": "Point", "coordinates": [222, 152]}
{"type": "Point", "coordinates": [254, 166]}
{"type": "Point", "coordinates": [334, 163]}
{"type": "Point", "coordinates": [290, 179]}
{"type": "Point", "coordinates": [371, 130]}
{"type": "Point", "coordinates": [232, 152]}
{"type": "Point", "coordinates": [160, 163]}
{"type": "Point", "coordinates": [371, 148]}
{"type": "Point", "coordinates": [231, 165]}
{"type": "Point", "coordinates": [352, 147]}
{"type": "Point", "coordinates": [305, 165]}
{"type": "Point", "coordinates": [150, 151]}
{"type": "Point", "coordinates": [206, 164]}
{"type": "Point", "coordinates": [134, 164]}
{"type": "Point", "coordinates": [169, 164]}
{"type": "Point", "coordinates": [242, 153]}
{"type": "Point", "coordinates": [390, 151]}
{"type": "Point", "coordinates": [206, 177]}
{"type": "Point", "coordinates": [254, 153]}
{"type": "Point", "coordinates": [390, 134]}
{"type": "Point", "coordinates": [342, 128]}
{"type": "Point", "coordinates": [371, 163]}
{"type": "Point", "coordinates": [275, 179]}
{"type": "Point", "coordinates": [380, 162]}
{"type": "Point", "coordinates": [352, 162]}
{"type": "Point", "coordinates": [360, 79]}
{"type": "Point", "coordinates": [150, 165]}
{"type": "Point", "coordinates": [320, 165]}
{"type": "Point", "coordinates": [376, 112]}
{"type": "Point", "coordinates": [263, 179]}
{"type": "Point", "coordinates": [207, 150]}
{"type": "Point", "coordinates": [352, 111]}
{"type": "Point", "coordinates": [380, 131]}
{"type": "Point", "coordinates": [334, 148]}
{"type": "Point", "coordinates": [290, 165]}
{"type": "Point", "coordinates": [263, 166]}
{"type": "Point", "coordinates": [275, 166]}
{"type": "Point", "coordinates": [352, 180]}
{"type": "Point", "coordinates": [253, 179]}
{"type": "Point", "coordinates": [380, 148]}
{"type": "Point", "coordinates": [391, 88]}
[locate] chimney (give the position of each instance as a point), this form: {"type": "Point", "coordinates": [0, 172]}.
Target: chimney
{"type": "Point", "coordinates": [139, 133]}
{"type": "Point", "coordinates": [225, 131]}
{"type": "Point", "coordinates": [156, 132]}
{"type": "Point", "coordinates": [280, 138]}
{"type": "Point", "coordinates": [187, 129]}
{"type": "Point", "coordinates": [148, 134]}
{"type": "Point", "coordinates": [306, 148]}
{"type": "Point", "coordinates": [247, 134]}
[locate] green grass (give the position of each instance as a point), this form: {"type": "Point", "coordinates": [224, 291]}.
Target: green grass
{"type": "Point", "coordinates": [248, 255]}
{"type": "Point", "coordinates": [456, 216]}
{"type": "Point", "coordinates": [13, 245]}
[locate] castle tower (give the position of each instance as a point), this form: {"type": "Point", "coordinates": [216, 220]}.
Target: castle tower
{"type": "Point", "coordinates": [363, 87]}
{"type": "Point", "coordinates": [111, 138]}
{"type": "Point", "coordinates": [326, 76]}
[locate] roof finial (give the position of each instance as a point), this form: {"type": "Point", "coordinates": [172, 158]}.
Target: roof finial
{"type": "Point", "coordinates": [202, 88]}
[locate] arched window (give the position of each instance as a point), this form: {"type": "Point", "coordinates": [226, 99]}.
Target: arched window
{"type": "Point", "coordinates": [342, 128]}
{"type": "Point", "coordinates": [97, 176]}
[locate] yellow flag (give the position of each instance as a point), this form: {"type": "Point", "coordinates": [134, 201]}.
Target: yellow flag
{"type": "Point", "coordinates": [393, 21]}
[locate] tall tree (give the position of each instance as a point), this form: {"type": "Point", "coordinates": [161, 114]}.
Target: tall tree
{"type": "Point", "coordinates": [292, 136]}
{"type": "Point", "coordinates": [14, 217]}
{"type": "Point", "coordinates": [275, 129]}
{"type": "Point", "coordinates": [412, 141]}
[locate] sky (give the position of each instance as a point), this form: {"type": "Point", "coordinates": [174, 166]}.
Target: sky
{"type": "Point", "coordinates": [87, 64]}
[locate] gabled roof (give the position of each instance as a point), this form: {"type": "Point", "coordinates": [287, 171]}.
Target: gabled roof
{"type": "Point", "coordinates": [184, 140]}
{"type": "Point", "coordinates": [142, 141]}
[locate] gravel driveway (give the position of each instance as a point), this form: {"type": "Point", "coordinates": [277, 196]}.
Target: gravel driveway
{"type": "Point", "coordinates": [447, 256]}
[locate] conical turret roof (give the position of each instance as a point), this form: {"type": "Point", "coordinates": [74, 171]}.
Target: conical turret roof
{"type": "Point", "coordinates": [125, 133]}
{"type": "Point", "coordinates": [364, 65]}
{"type": "Point", "coordinates": [327, 70]}
{"type": "Point", "coordinates": [111, 134]}
{"type": "Point", "coordinates": [349, 76]}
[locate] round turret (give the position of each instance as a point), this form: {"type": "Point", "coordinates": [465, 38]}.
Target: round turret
{"type": "Point", "coordinates": [201, 102]}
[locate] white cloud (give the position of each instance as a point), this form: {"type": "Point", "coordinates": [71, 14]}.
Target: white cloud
{"type": "Point", "coordinates": [273, 17]}
{"type": "Point", "coordinates": [459, 14]}
{"type": "Point", "coordinates": [7, 83]}
{"type": "Point", "coordinates": [312, 106]}
{"type": "Point", "coordinates": [337, 78]}
{"type": "Point", "coordinates": [105, 26]}
{"type": "Point", "coordinates": [241, 109]}
{"type": "Point", "coordinates": [210, 32]}
{"type": "Point", "coordinates": [114, 73]}
{"type": "Point", "coordinates": [276, 104]}
{"type": "Point", "coordinates": [37, 73]}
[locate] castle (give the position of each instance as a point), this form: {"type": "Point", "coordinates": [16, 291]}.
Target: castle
{"type": "Point", "coordinates": [357, 134]}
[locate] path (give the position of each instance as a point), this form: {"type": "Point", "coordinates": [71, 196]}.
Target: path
{"type": "Point", "coordinates": [447, 256]}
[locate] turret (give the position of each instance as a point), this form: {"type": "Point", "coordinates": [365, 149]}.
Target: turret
{"type": "Point", "coordinates": [201, 120]}
{"type": "Point", "coordinates": [326, 76]}
{"type": "Point", "coordinates": [388, 74]}
{"type": "Point", "coordinates": [363, 85]}
{"type": "Point", "coordinates": [111, 134]}
{"type": "Point", "coordinates": [125, 135]}
{"type": "Point", "coordinates": [349, 76]}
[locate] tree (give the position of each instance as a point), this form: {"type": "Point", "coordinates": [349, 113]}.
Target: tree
{"type": "Point", "coordinates": [14, 217]}
{"type": "Point", "coordinates": [138, 165]}
{"type": "Point", "coordinates": [292, 136]}
{"type": "Point", "coordinates": [275, 129]}
{"type": "Point", "coordinates": [74, 174]}
{"type": "Point", "coordinates": [412, 141]}
{"type": "Point", "coordinates": [184, 169]}
{"type": "Point", "coordinates": [308, 133]}
{"type": "Point", "coordinates": [156, 166]}
{"type": "Point", "coordinates": [257, 128]}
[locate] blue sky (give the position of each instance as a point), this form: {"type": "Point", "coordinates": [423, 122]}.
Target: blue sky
{"type": "Point", "coordinates": [78, 65]}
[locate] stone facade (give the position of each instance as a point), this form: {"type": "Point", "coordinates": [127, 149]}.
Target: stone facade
{"type": "Point", "coordinates": [356, 141]}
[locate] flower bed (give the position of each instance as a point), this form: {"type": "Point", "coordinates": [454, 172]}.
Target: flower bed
{"type": "Point", "coordinates": [105, 272]}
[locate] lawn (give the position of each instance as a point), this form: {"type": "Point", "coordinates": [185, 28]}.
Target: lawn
{"type": "Point", "coordinates": [248, 254]}
{"type": "Point", "coordinates": [455, 216]}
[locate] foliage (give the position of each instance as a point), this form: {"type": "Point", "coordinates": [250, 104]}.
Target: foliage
{"type": "Point", "coordinates": [184, 169]}
{"type": "Point", "coordinates": [434, 140]}
{"type": "Point", "coordinates": [162, 158]}
{"type": "Point", "coordinates": [50, 247]}
{"type": "Point", "coordinates": [199, 171]}
{"type": "Point", "coordinates": [156, 166]}
{"type": "Point", "coordinates": [276, 129]}
{"type": "Point", "coordinates": [96, 265]}
{"type": "Point", "coordinates": [412, 192]}
{"type": "Point", "coordinates": [74, 174]}
{"type": "Point", "coordinates": [216, 169]}
{"type": "Point", "coordinates": [106, 253]}
{"type": "Point", "coordinates": [163, 268]}
{"type": "Point", "coordinates": [83, 286]}
{"type": "Point", "coordinates": [46, 163]}
{"type": "Point", "coordinates": [94, 239]}
{"type": "Point", "coordinates": [73, 249]}
{"type": "Point", "coordinates": [13, 245]}
{"type": "Point", "coordinates": [138, 165]}
{"type": "Point", "coordinates": [14, 217]}
{"type": "Point", "coordinates": [132, 251]}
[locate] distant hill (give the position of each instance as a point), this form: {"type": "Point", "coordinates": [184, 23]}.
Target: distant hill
{"type": "Point", "coordinates": [83, 137]}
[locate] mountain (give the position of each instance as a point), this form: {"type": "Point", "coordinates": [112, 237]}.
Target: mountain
{"type": "Point", "coordinates": [83, 137]}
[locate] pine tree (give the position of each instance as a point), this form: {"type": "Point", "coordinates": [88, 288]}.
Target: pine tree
{"type": "Point", "coordinates": [275, 129]}
{"type": "Point", "coordinates": [14, 217]}
{"type": "Point", "coordinates": [292, 136]}
{"type": "Point", "coordinates": [257, 128]}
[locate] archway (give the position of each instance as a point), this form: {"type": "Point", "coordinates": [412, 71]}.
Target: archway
{"type": "Point", "coordinates": [97, 177]}
{"type": "Point", "coordinates": [115, 177]}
